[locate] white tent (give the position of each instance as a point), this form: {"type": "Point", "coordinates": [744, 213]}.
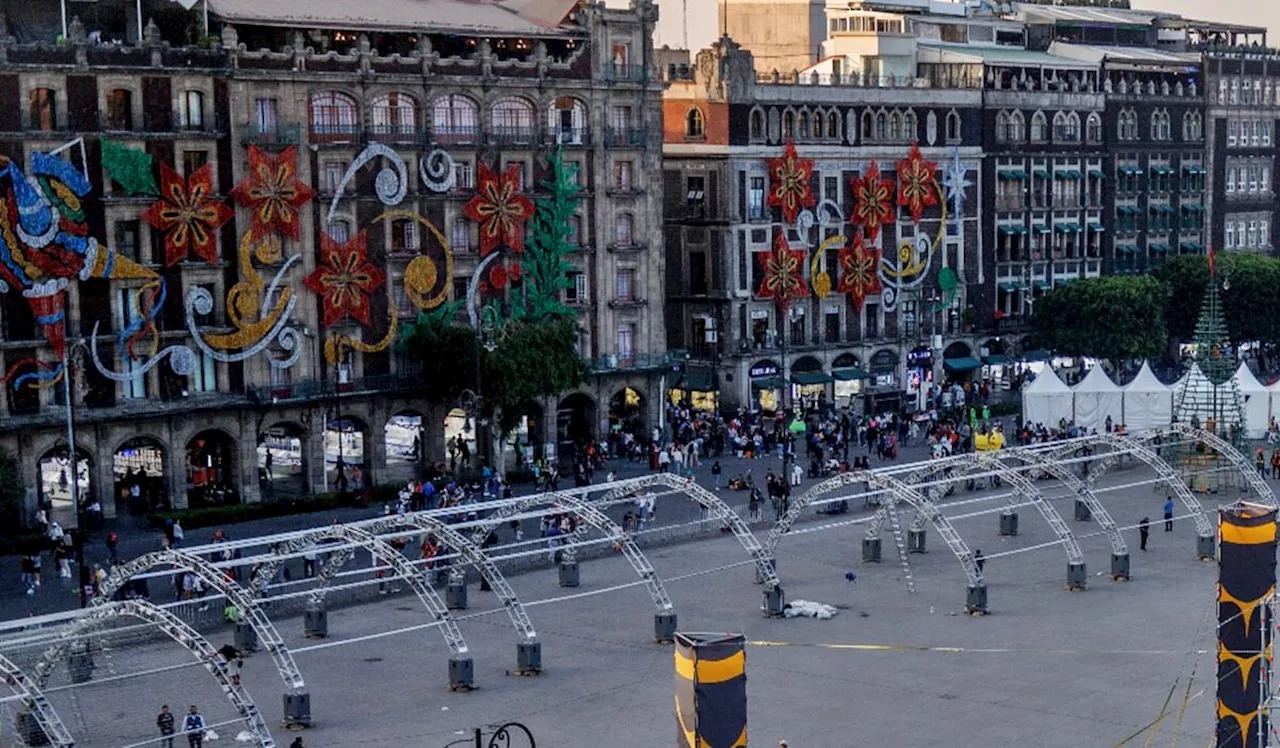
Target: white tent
{"type": "Point", "coordinates": [1148, 403]}
{"type": "Point", "coordinates": [1257, 402]}
{"type": "Point", "coordinates": [1047, 400]}
{"type": "Point", "coordinates": [1097, 398]}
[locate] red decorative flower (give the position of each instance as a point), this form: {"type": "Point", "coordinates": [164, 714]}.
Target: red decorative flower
{"type": "Point", "coordinates": [499, 209]}
{"type": "Point", "coordinates": [187, 214]}
{"type": "Point", "coordinates": [783, 273]}
{"type": "Point", "coordinates": [917, 186]}
{"type": "Point", "coordinates": [872, 201]}
{"type": "Point", "coordinates": [272, 191]}
{"type": "Point", "coordinates": [344, 279]}
{"type": "Point", "coordinates": [498, 277]}
{"type": "Point", "coordinates": [515, 272]}
{"type": "Point", "coordinates": [859, 271]}
{"type": "Point", "coordinates": [789, 183]}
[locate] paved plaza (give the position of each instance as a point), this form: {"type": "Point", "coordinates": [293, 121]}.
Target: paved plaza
{"type": "Point", "coordinates": [1047, 667]}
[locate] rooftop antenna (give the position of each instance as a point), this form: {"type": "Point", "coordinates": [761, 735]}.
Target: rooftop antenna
{"type": "Point", "coordinates": [684, 28]}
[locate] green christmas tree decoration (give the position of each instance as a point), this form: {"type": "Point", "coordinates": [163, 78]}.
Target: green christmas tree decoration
{"type": "Point", "coordinates": [544, 266]}
{"type": "Point", "coordinates": [132, 169]}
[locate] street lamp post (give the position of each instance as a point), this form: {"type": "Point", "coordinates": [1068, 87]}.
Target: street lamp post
{"type": "Point", "coordinates": [73, 460]}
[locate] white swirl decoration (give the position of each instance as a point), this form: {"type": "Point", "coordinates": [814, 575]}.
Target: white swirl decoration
{"type": "Point", "coordinates": [181, 359]}
{"type": "Point", "coordinates": [200, 302]}
{"type": "Point", "coordinates": [391, 185]}
{"type": "Point", "coordinates": [436, 171]}
{"type": "Point", "coordinates": [829, 214]}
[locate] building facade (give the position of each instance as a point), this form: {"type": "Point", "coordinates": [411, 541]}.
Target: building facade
{"type": "Point", "coordinates": [385, 138]}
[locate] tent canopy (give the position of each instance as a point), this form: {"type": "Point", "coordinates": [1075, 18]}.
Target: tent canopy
{"type": "Point", "coordinates": [1148, 402]}
{"type": "Point", "coordinates": [1047, 400]}
{"type": "Point", "coordinates": [1097, 400]}
{"type": "Point", "coordinates": [1096, 381]}
{"type": "Point", "coordinates": [1257, 402]}
{"type": "Point", "coordinates": [1146, 381]}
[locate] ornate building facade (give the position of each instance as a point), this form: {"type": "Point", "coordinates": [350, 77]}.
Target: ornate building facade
{"type": "Point", "coordinates": [270, 210]}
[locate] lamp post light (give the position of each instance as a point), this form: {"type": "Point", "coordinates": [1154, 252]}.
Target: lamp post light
{"type": "Point", "coordinates": [73, 459]}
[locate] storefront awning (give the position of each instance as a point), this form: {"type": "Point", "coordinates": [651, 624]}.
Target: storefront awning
{"type": "Point", "coordinates": [1042, 285]}
{"type": "Point", "coordinates": [1009, 286]}
{"type": "Point", "coordinates": [810, 377]}
{"type": "Point", "coordinates": [1012, 174]}
{"type": "Point", "coordinates": [1128, 210]}
{"type": "Point", "coordinates": [1192, 246]}
{"type": "Point", "coordinates": [1066, 228]}
{"type": "Point", "coordinates": [1158, 169]}
{"type": "Point", "coordinates": [1193, 170]}
{"type": "Point", "coordinates": [995, 359]}
{"type": "Point", "coordinates": [955, 365]}
{"type": "Point", "coordinates": [1097, 228]}
{"type": "Point", "coordinates": [1011, 230]}
{"type": "Point", "coordinates": [850, 374]}
{"type": "Point", "coordinates": [1158, 247]}
{"type": "Point", "coordinates": [1193, 207]}
{"type": "Point", "coordinates": [1038, 354]}
{"type": "Point", "coordinates": [768, 383]}
{"type": "Point", "coordinates": [1097, 174]}
{"type": "Point", "coordinates": [1128, 169]}
{"type": "Point", "coordinates": [696, 380]}
{"type": "Point", "coordinates": [1126, 248]}
{"type": "Point", "coordinates": [1040, 229]}
{"type": "Point", "coordinates": [1070, 174]}
{"type": "Point", "coordinates": [1041, 173]}
{"type": "Point", "coordinates": [1162, 208]}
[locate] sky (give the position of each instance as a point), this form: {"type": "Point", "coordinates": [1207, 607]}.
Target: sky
{"type": "Point", "coordinates": [702, 25]}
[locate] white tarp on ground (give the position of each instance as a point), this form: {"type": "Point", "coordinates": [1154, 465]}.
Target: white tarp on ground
{"type": "Point", "coordinates": [1047, 400]}
{"type": "Point", "coordinates": [1148, 402]}
{"type": "Point", "coordinates": [1257, 402]}
{"type": "Point", "coordinates": [1097, 398]}
{"type": "Point", "coordinates": [807, 609]}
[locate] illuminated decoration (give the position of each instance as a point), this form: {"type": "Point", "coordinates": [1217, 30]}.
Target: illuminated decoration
{"type": "Point", "coordinates": [917, 186]}
{"type": "Point", "coordinates": [499, 209]}
{"type": "Point", "coordinates": [424, 285]}
{"type": "Point", "coordinates": [187, 214]}
{"type": "Point", "coordinates": [436, 171]}
{"type": "Point", "coordinates": [273, 193]}
{"type": "Point", "coordinates": [821, 279]}
{"type": "Point", "coordinates": [957, 183]}
{"type": "Point", "coordinates": [390, 186]}
{"type": "Point", "coordinates": [132, 169]}
{"type": "Point", "coordinates": [859, 271]}
{"type": "Point", "coordinates": [789, 183]}
{"type": "Point", "coordinates": [344, 279]}
{"type": "Point", "coordinates": [783, 273]}
{"type": "Point", "coordinates": [872, 201]}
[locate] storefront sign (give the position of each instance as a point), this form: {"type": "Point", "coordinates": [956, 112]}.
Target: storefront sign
{"type": "Point", "coordinates": [763, 370]}
{"type": "Point", "coordinates": [920, 357]}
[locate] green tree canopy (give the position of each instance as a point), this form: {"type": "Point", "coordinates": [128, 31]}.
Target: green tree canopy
{"type": "Point", "coordinates": [1254, 290]}
{"type": "Point", "coordinates": [446, 352]}
{"type": "Point", "coordinates": [531, 361]}
{"type": "Point", "coordinates": [1113, 317]}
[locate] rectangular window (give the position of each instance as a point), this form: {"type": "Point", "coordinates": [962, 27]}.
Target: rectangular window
{"type": "Point", "coordinates": [193, 160]}
{"type": "Point", "coordinates": [695, 191]}
{"type": "Point", "coordinates": [264, 111]}
{"type": "Point", "coordinates": [127, 240]}
{"type": "Point", "coordinates": [43, 109]}
{"type": "Point", "coordinates": [872, 326]}
{"type": "Point", "coordinates": [626, 341]}
{"type": "Point", "coordinates": [623, 230]}
{"type": "Point", "coordinates": [1264, 233]}
{"type": "Point", "coordinates": [522, 174]}
{"type": "Point", "coordinates": [333, 171]}
{"type": "Point", "coordinates": [622, 175]}
{"type": "Point", "coordinates": [625, 280]}
{"type": "Point", "coordinates": [1231, 235]}
{"type": "Point", "coordinates": [204, 376]}
{"type": "Point", "coordinates": [463, 176]}
{"type": "Point", "coordinates": [1253, 234]}
{"type": "Point", "coordinates": [460, 235]}
{"type": "Point", "coordinates": [832, 325]}
{"type": "Point", "coordinates": [744, 266]}
{"type": "Point", "coordinates": [119, 109]}
{"type": "Point", "coordinates": [191, 110]}
{"type": "Point", "coordinates": [339, 231]}
{"type": "Point", "coordinates": [1233, 131]}
{"type": "Point", "coordinates": [755, 199]}
{"type": "Point", "coordinates": [1231, 179]}
{"type": "Point", "coordinates": [574, 235]}
{"type": "Point", "coordinates": [831, 189]}
{"type": "Point", "coordinates": [620, 117]}
{"type": "Point", "coordinates": [576, 292]}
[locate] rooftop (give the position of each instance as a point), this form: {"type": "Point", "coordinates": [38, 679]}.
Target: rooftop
{"type": "Point", "coordinates": [1145, 55]}
{"type": "Point", "coordinates": [1078, 15]}
{"type": "Point", "coordinates": [961, 53]}
{"type": "Point", "coordinates": [498, 17]}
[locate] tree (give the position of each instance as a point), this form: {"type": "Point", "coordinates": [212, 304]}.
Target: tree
{"type": "Point", "coordinates": [445, 351]}
{"type": "Point", "coordinates": [544, 264]}
{"type": "Point", "coordinates": [1253, 290]}
{"type": "Point", "coordinates": [1114, 317]}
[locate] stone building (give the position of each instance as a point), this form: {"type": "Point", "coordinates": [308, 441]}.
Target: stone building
{"type": "Point", "coordinates": [505, 88]}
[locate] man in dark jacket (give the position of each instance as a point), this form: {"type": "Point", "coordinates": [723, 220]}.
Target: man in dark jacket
{"type": "Point", "coordinates": [165, 723]}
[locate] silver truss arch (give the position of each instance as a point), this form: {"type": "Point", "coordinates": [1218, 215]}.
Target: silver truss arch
{"type": "Point", "coordinates": [246, 605]}
{"type": "Point", "coordinates": [380, 550]}
{"type": "Point", "coordinates": [178, 631]}
{"type": "Point", "coordinates": [34, 701]}
{"type": "Point", "coordinates": [470, 553]}
{"type": "Point", "coordinates": [587, 516]}
{"type": "Point", "coordinates": [1124, 445]}
{"type": "Point", "coordinates": [713, 504]}
{"type": "Point", "coordinates": [1232, 455]}
{"type": "Point", "coordinates": [1047, 465]}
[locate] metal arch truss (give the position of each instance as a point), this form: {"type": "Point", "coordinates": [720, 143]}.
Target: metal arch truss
{"type": "Point", "coordinates": [1230, 454]}
{"type": "Point", "coordinates": [380, 550]}
{"type": "Point", "coordinates": [471, 554]}
{"type": "Point", "coordinates": [588, 516]}
{"type": "Point", "coordinates": [1127, 445]}
{"type": "Point", "coordinates": [1045, 465]}
{"type": "Point", "coordinates": [712, 503]}
{"type": "Point", "coordinates": [178, 631]}
{"type": "Point", "coordinates": [35, 704]}
{"type": "Point", "coordinates": [246, 605]}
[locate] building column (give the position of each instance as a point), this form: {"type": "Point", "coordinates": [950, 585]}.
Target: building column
{"type": "Point", "coordinates": [104, 479]}
{"type": "Point", "coordinates": [375, 444]}
{"type": "Point", "coordinates": [247, 459]}
{"type": "Point", "coordinates": [176, 476]}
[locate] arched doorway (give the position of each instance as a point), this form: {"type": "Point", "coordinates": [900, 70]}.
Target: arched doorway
{"type": "Point", "coordinates": [809, 383]}
{"type": "Point", "coordinates": [882, 393]}
{"type": "Point", "coordinates": [282, 463]}
{"type": "Point", "coordinates": [344, 454]}
{"type": "Point", "coordinates": [766, 383]}
{"type": "Point", "coordinates": [55, 487]}
{"type": "Point", "coordinates": [959, 362]}
{"type": "Point", "coordinates": [627, 414]}
{"type": "Point", "coordinates": [460, 438]}
{"type": "Point", "coordinates": [525, 442]}
{"type": "Point", "coordinates": [575, 424]}
{"type": "Point", "coordinates": [402, 437]}
{"type": "Point", "coordinates": [137, 468]}
{"type": "Point", "coordinates": [211, 470]}
{"type": "Point", "coordinates": [849, 376]}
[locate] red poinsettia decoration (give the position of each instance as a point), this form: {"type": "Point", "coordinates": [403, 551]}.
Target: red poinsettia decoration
{"type": "Point", "coordinates": [187, 214]}
{"type": "Point", "coordinates": [272, 191]}
{"type": "Point", "coordinates": [344, 279]}
{"type": "Point", "coordinates": [872, 201]}
{"type": "Point", "coordinates": [789, 183]}
{"type": "Point", "coordinates": [859, 271]}
{"type": "Point", "coordinates": [917, 186]}
{"type": "Point", "coordinates": [499, 208]}
{"type": "Point", "coordinates": [783, 273]}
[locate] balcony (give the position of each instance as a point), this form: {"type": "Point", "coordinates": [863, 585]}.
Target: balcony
{"type": "Point", "coordinates": [513, 135]}
{"type": "Point", "coordinates": [570, 136]}
{"type": "Point", "coordinates": [618, 72]}
{"type": "Point", "coordinates": [625, 247]}
{"type": "Point", "coordinates": [400, 134]}
{"type": "Point", "coordinates": [279, 135]}
{"type": "Point", "coordinates": [456, 135]}
{"type": "Point", "coordinates": [316, 389]}
{"type": "Point", "coordinates": [335, 133]}
{"type": "Point", "coordinates": [629, 302]}
{"type": "Point", "coordinates": [627, 137]}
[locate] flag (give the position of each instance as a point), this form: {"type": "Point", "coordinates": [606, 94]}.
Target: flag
{"type": "Point", "coordinates": [1211, 270]}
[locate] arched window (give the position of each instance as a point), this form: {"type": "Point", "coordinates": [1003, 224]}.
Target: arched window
{"type": "Point", "coordinates": [1039, 128]}
{"type": "Point", "coordinates": [513, 121]}
{"type": "Point", "coordinates": [953, 127]}
{"type": "Point", "coordinates": [334, 116]}
{"type": "Point", "coordinates": [895, 126]}
{"type": "Point", "coordinates": [454, 120]}
{"type": "Point", "coordinates": [882, 126]}
{"type": "Point", "coordinates": [757, 124]}
{"type": "Point", "coordinates": [803, 119]}
{"type": "Point", "coordinates": [119, 109]}
{"type": "Point", "coordinates": [1073, 127]}
{"type": "Point", "coordinates": [788, 125]}
{"type": "Point", "coordinates": [1002, 127]}
{"type": "Point", "coordinates": [1017, 127]}
{"type": "Point", "coordinates": [909, 125]}
{"type": "Point", "coordinates": [569, 120]}
{"type": "Point", "coordinates": [867, 131]}
{"type": "Point", "coordinates": [694, 124]}
{"type": "Point", "coordinates": [1155, 125]}
{"type": "Point", "coordinates": [833, 124]}
{"type": "Point", "coordinates": [1093, 128]}
{"type": "Point", "coordinates": [395, 114]}
{"type": "Point", "coordinates": [624, 230]}
{"type": "Point", "coordinates": [1059, 126]}
{"type": "Point", "coordinates": [819, 124]}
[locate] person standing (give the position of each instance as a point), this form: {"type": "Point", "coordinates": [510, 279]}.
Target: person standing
{"type": "Point", "coordinates": [1144, 529]}
{"type": "Point", "coordinates": [1168, 514]}
{"type": "Point", "coordinates": [193, 726]}
{"type": "Point", "coordinates": [979, 560]}
{"type": "Point", "coordinates": [165, 722]}
{"type": "Point", "coordinates": [715, 473]}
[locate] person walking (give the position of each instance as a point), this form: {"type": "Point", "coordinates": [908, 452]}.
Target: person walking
{"type": "Point", "coordinates": [715, 473]}
{"type": "Point", "coordinates": [113, 541]}
{"type": "Point", "coordinates": [193, 726]}
{"type": "Point", "coordinates": [979, 560]}
{"type": "Point", "coordinates": [165, 722]}
{"type": "Point", "coordinates": [1144, 529]}
{"type": "Point", "coordinates": [1168, 514]}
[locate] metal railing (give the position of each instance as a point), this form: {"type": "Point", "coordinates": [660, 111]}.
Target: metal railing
{"type": "Point", "coordinates": [626, 73]}
{"type": "Point", "coordinates": [636, 361]}
{"type": "Point", "coordinates": [310, 389]}
{"type": "Point", "coordinates": [278, 135]}
{"type": "Point", "coordinates": [634, 137]}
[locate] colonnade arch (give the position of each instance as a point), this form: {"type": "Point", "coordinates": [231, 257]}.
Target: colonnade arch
{"type": "Point", "coordinates": [46, 718]}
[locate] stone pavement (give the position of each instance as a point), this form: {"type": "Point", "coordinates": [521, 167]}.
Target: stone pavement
{"type": "Point", "coordinates": [1047, 668]}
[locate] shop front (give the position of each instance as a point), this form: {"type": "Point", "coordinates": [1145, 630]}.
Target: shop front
{"type": "Point", "coordinates": [919, 376]}
{"type": "Point", "coordinates": [959, 362]}
{"type": "Point", "coordinates": [809, 382]}
{"type": "Point", "coordinates": [849, 378]}
{"type": "Point", "coordinates": [766, 385]}
{"type": "Point", "coordinates": [696, 388]}
{"type": "Point", "coordinates": [995, 362]}
{"type": "Point", "coordinates": [883, 394]}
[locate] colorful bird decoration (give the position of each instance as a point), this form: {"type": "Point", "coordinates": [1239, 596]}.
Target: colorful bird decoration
{"type": "Point", "coordinates": [188, 214]}
{"type": "Point", "coordinates": [273, 193]}
{"type": "Point", "coordinates": [500, 209]}
{"type": "Point", "coordinates": [789, 183]}
{"type": "Point", "coordinates": [872, 201]}
{"type": "Point", "coordinates": [917, 185]}
{"type": "Point", "coordinates": [783, 273]}
{"type": "Point", "coordinates": [859, 276]}
{"type": "Point", "coordinates": [344, 279]}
